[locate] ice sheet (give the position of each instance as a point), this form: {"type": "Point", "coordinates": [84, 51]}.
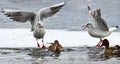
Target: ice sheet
{"type": "Point", "coordinates": [24, 38]}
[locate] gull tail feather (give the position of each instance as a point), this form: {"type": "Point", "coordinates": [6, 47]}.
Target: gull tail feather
{"type": "Point", "coordinates": [113, 28]}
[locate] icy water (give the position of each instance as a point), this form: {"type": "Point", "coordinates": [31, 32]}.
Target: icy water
{"type": "Point", "coordinates": [70, 17]}
{"type": "Point", "coordinates": [70, 55]}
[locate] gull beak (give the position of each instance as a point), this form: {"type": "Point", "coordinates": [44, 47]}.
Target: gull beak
{"type": "Point", "coordinates": [84, 26]}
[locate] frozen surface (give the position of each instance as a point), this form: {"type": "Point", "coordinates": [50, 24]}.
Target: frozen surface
{"type": "Point", "coordinates": [24, 38]}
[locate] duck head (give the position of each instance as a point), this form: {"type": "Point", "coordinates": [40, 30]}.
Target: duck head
{"type": "Point", "coordinates": [105, 43]}
{"type": "Point", "coordinates": [56, 42]}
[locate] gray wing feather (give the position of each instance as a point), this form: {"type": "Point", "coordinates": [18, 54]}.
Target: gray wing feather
{"type": "Point", "coordinates": [50, 11]}
{"type": "Point", "coordinates": [20, 16]}
{"type": "Point", "coordinates": [99, 21]}
{"type": "Point", "coordinates": [101, 24]}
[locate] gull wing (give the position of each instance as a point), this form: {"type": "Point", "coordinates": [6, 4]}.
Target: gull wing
{"type": "Point", "coordinates": [101, 24]}
{"type": "Point", "coordinates": [99, 21]}
{"type": "Point", "coordinates": [50, 11]}
{"type": "Point", "coordinates": [19, 15]}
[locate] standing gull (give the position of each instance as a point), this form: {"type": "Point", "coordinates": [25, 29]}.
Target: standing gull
{"type": "Point", "coordinates": [39, 33]}
{"type": "Point", "coordinates": [100, 28]}
{"type": "Point", "coordinates": [35, 19]}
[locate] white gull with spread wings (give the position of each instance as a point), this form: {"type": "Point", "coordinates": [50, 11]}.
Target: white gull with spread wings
{"type": "Point", "coordinates": [36, 19]}
{"type": "Point", "coordinates": [26, 15]}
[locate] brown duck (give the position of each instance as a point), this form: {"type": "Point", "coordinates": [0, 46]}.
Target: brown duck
{"type": "Point", "coordinates": [55, 47]}
{"type": "Point", "coordinates": [110, 51]}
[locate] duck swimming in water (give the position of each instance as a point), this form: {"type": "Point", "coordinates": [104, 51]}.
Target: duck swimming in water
{"type": "Point", "coordinates": [55, 47]}
{"type": "Point", "coordinates": [110, 51]}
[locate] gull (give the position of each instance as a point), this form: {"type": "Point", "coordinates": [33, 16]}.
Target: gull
{"type": "Point", "coordinates": [39, 33]}
{"type": "Point", "coordinates": [36, 19]}
{"type": "Point", "coordinates": [26, 15]}
{"type": "Point", "coordinates": [100, 28]}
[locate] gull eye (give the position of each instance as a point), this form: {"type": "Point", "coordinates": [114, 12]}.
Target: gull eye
{"type": "Point", "coordinates": [39, 24]}
{"type": "Point", "coordinates": [88, 23]}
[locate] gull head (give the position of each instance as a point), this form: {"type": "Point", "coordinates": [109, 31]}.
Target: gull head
{"type": "Point", "coordinates": [40, 25]}
{"type": "Point", "coordinates": [87, 25]}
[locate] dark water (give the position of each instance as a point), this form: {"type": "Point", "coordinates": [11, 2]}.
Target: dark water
{"type": "Point", "coordinates": [70, 17]}
{"type": "Point", "coordinates": [70, 55]}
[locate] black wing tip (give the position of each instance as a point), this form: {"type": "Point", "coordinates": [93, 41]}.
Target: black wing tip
{"type": "Point", "coordinates": [117, 26]}
{"type": "Point", "coordinates": [88, 6]}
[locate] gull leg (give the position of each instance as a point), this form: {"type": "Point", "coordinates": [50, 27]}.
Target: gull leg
{"type": "Point", "coordinates": [43, 44]}
{"type": "Point", "coordinates": [37, 43]}
{"type": "Point", "coordinates": [98, 45]}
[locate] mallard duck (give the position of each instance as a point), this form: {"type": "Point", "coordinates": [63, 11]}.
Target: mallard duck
{"type": "Point", "coordinates": [110, 51]}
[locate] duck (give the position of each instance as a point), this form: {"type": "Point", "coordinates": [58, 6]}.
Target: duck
{"type": "Point", "coordinates": [55, 47]}
{"type": "Point", "coordinates": [110, 51]}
